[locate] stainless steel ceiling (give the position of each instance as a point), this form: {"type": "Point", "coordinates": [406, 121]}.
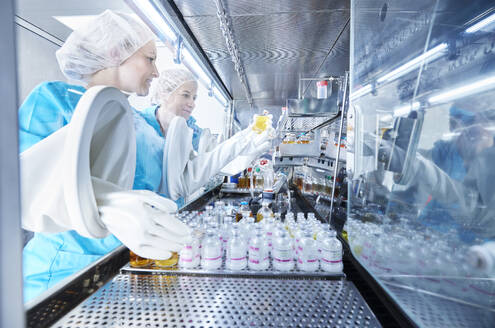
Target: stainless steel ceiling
{"type": "Point", "coordinates": [279, 42]}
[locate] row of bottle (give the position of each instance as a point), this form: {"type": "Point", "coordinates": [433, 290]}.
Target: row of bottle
{"type": "Point", "coordinates": [292, 138]}
{"type": "Point", "coordinates": [305, 243]}
{"type": "Point", "coordinates": [253, 245]}
{"type": "Point", "coordinates": [244, 181]}
{"type": "Point", "coordinates": [261, 177]}
{"type": "Point", "coordinates": [309, 184]}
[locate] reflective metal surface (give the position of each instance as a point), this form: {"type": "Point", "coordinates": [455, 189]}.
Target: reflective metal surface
{"type": "Point", "coordinates": [432, 311]}
{"type": "Point", "coordinates": [270, 272]}
{"type": "Point", "coordinates": [278, 43]}
{"type": "Point", "coordinates": [186, 301]}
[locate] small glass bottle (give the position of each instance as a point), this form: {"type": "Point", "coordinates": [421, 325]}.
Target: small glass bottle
{"type": "Point", "coordinates": [269, 226]}
{"type": "Point", "coordinates": [188, 256]}
{"type": "Point", "coordinates": [283, 251]}
{"type": "Point", "coordinates": [258, 250]}
{"type": "Point", "coordinates": [308, 253]}
{"type": "Point", "coordinates": [137, 261]}
{"type": "Point", "coordinates": [331, 253]}
{"type": "Point", "coordinates": [308, 185]}
{"type": "Point", "coordinates": [211, 251]}
{"type": "Point", "coordinates": [301, 220]}
{"type": "Point", "coordinates": [236, 250]}
{"type": "Point", "coordinates": [264, 211]}
{"type": "Point", "coordinates": [290, 138]}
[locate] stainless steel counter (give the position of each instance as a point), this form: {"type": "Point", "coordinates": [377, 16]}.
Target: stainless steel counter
{"type": "Point", "coordinates": [132, 300]}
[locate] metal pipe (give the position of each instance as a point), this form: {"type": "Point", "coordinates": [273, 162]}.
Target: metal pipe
{"type": "Point", "coordinates": [343, 110]}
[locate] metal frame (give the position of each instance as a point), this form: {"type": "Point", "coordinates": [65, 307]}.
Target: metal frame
{"type": "Point", "coordinates": [343, 111]}
{"type": "Point", "coordinates": [11, 303]}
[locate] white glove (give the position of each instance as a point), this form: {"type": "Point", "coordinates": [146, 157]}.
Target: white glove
{"type": "Point", "coordinates": [207, 142]}
{"type": "Point", "coordinates": [56, 188]}
{"type": "Point", "coordinates": [141, 220]}
{"type": "Point", "coordinates": [184, 171]}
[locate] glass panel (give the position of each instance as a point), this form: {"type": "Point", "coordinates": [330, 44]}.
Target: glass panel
{"type": "Point", "coordinates": [420, 136]}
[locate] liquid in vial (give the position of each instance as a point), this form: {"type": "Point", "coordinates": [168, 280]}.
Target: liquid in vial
{"type": "Point", "coordinates": [172, 261]}
{"type": "Point", "coordinates": [137, 261]}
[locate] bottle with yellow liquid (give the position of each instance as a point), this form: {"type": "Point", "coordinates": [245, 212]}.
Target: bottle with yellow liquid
{"type": "Point", "coordinates": [264, 211]}
{"type": "Point", "coordinates": [261, 122]}
{"type": "Point", "coordinates": [171, 262]}
{"type": "Point", "coordinates": [137, 261]}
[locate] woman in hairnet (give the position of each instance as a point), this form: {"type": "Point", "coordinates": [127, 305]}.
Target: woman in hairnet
{"type": "Point", "coordinates": [191, 154]}
{"type": "Point", "coordinates": [175, 95]}
{"type": "Point", "coordinates": [113, 50]}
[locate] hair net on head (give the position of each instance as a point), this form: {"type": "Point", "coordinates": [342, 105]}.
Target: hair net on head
{"type": "Point", "coordinates": [169, 81]}
{"type": "Point", "coordinates": [106, 41]}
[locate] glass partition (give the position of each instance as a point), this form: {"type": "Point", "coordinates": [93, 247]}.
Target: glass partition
{"type": "Point", "coordinates": [52, 260]}
{"type": "Point", "coordinates": [420, 153]}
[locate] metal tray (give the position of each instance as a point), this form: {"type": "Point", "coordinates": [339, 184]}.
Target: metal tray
{"type": "Point", "coordinates": [223, 271]}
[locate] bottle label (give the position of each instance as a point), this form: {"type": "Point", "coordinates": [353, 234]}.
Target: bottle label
{"type": "Point", "coordinates": [212, 258]}
{"type": "Point", "coordinates": [328, 261]}
{"type": "Point", "coordinates": [185, 259]}
{"type": "Point", "coordinates": [282, 255]}
{"type": "Point", "coordinates": [257, 261]}
{"type": "Point", "coordinates": [331, 256]}
{"type": "Point", "coordinates": [237, 258]}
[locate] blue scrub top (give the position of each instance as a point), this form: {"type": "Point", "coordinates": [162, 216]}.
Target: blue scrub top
{"type": "Point", "coordinates": [436, 215]}
{"type": "Point", "coordinates": [49, 258]}
{"type": "Point", "coordinates": [149, 115]}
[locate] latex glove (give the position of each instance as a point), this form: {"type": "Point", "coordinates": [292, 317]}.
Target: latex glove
{"type": "Point", "coordinates": [261, 144]}
{"type": "Point", "coordinates": [56, 173]}
{"type": "Point", "coordinates": [207, 141]}
{"type": "Point", "coordinates": [184, 171]}
{"type": "Point", "coordinates": [141, 220]}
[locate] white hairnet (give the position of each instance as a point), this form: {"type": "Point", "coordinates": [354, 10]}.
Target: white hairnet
{"type": "Point", "coordinates": [169, 81]}
{"type": "Point", "coordinates": [106, 41]}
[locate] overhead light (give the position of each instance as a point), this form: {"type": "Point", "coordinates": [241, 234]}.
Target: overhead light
{"type": "Point", "coordinates": [411, 65]}
{"type": "Point", "coordinates": [404, 110]}
{"type": "Point", "coordinates": [481, 24]}
{"type": "Point", "coordinates": [196, 69]}
{"type": "Point", "coordinates": [464, 91]}
{"type": "Point", "coordinates": [156, 18]}
{"type": "Point", "coordinates": [361, 92]}
{"type": "Point", "coordinates": [75, 22]}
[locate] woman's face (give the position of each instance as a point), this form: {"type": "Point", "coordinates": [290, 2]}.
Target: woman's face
{"type": "Point", "coordinates": [136, 72]}
{"type": "Point", "coordinates": [182, 101]}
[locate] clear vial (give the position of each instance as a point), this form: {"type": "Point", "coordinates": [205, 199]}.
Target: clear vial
{"type": "Point", "coordinates": [331, 253]}
{"type": "Point", "coordinates": [188, 256]}
{"type": "Point", "coordinates": [264, 212]}
{"type": "Point", "coordinates": [269, 225]}
{"type": "Point", "coordinates": [236, 250]}
{"type": "Point", "coordinates": [211, 251]}
{"type": "Point", "coordinates": [308, 253]}
{"type": "Point", "coordinates": [258, 250]}
{"type": "Point", "coordinates": [283, 252]}
{"type": "Point", "coordinates": [301, 220]}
